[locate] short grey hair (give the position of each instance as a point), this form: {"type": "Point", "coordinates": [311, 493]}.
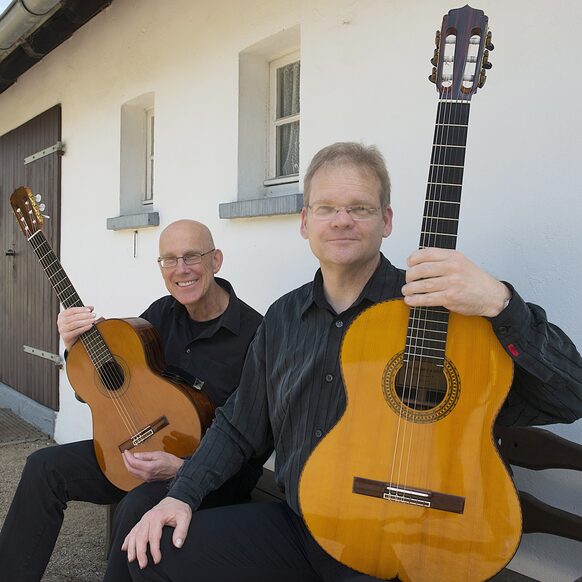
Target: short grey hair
{"type": "Point", "coordinates": [350, 153]}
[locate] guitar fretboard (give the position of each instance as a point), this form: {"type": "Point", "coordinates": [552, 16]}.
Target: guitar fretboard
{"type": "Point", "coordinates": [92, 339]}
{"type": "Point", "coordinates": [428, 326]}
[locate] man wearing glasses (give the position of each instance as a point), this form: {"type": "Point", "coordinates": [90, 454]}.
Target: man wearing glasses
{"type": "Point", "coordinates": [205, 331]}
{"type": "Point", "coordinates": [291, 391]}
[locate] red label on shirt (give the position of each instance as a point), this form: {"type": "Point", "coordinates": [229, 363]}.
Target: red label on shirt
{"type": "Point", "coordinates": [513, 350]}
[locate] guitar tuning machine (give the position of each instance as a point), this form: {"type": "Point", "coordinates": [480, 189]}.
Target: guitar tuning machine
{"type": "Point", "coordinates": [488, 44]}
{"type": "Point", "coordinates": [437, 38]}
{"type": "Point", "coordinates": [433, 76]}
{"type": "Point", "coordinates": [486, 64]}
{"type": "Point", "coordinates": [482, 79]}
{"type": "Point", "coordinates": [435, 59]}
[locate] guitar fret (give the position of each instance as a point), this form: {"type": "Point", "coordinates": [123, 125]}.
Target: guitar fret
{"type": "Point", "coordinates": [451, 124]}
{"type": "Point", "coordinates": [446, 166]}
{"type": "Point", "coordinates": [444, 184]}
{"type": "Point", "coordinates": [429, 217]}
{"type": "Point", "coordinates": [442, 201]}
{"type": "Point", "coordinates": [437, 233]}
{"type": "Point", "coordinates": [426, 356]}
{"type": "Point", "coordinates": [447, 145]}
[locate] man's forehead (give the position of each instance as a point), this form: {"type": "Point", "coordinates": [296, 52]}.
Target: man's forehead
{"type": "Point", "coordinates": [184, 238]}
{"type": "Point", "coordinates": [334, 179]}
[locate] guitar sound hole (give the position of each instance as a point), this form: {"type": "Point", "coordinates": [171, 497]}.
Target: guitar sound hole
{"type": "Point", "coordinates": [111, 375]}
{"type": "Point", "coordinates": [421, 385]}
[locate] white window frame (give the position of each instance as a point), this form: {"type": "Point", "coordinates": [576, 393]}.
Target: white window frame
{"type": "Point", "coordinates": [149, 175]}
{"type": "Point", "coordinates": [272, 179]}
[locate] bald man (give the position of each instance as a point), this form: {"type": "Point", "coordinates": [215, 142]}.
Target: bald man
{"type": "Point", "coordinates": [205, 331]}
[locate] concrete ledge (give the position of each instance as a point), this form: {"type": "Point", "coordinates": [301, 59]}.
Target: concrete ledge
{"type": "Point", "coordinates": [34, 413]}
{"type": "Point", "coordinates": [133, 221]}
{"type": "Point", "coordinates": [276, 205]}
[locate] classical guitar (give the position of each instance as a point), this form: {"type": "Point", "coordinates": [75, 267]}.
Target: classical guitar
{"type": "Point", "coordinates": [409, 482]}
{"type": "Point", "coordinates": [117, 369]}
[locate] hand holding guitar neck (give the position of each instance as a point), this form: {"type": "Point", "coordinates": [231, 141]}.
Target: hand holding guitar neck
{"type": "Point", "coordinates": [73, 322]}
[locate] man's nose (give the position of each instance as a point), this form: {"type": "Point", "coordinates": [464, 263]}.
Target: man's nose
{"type": "Point", "coordinates": [342, 217]}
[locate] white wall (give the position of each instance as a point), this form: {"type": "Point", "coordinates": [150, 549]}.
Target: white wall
{"type": "Point", "coordinates": [364, 77]}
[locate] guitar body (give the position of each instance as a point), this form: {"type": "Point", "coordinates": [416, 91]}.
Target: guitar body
{"type": "Point", "coordinates": [177, 414]}
{"type": "Point", "coordinates": [447, 449]}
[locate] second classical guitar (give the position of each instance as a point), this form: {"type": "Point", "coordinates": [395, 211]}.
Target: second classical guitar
{"type": "Point", "coordinates": [409, 483]}
{"type": "Point", "coordinates": [116, 368]}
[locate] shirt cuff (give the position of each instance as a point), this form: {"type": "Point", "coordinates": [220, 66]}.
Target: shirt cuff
{"type": "Point", "coordinates": [510, 323]}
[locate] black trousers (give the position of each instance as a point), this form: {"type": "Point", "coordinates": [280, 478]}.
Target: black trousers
{"type": "Point", "coordinates": [254, 542]}
{"type": "Point", "coordinates": [51, 478]}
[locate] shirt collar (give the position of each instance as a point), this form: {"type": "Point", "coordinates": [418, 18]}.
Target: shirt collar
{"type": "Point", "coordinates": [230, 319]}
{"type": "Point", "coordinates": [373, 291]}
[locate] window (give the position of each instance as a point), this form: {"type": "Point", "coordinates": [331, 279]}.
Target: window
{"type": "Point", "coordinates": [268, 129]}
{"type": "Point", "coordinates": [284, 83]}
{"type": "Point", "coordinates": [136, 166]}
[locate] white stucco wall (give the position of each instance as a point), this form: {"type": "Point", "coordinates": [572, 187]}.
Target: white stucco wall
{"type": "Point", "coordinates": [364, 77]}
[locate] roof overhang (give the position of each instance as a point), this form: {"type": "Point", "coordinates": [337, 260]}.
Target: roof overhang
{"type": "Point", "coordinates": [30, 29]}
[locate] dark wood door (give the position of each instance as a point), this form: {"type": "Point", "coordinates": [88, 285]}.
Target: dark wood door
{"type": "Point", "coordinates": [28, 305]}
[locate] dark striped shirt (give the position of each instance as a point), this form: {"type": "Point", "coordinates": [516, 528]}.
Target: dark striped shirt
{"type": "Point", "coordinates": [291, 392]}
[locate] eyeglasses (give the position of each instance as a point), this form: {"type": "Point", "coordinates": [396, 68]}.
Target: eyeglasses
{"type": "Point", "coordinates": [323, 212]}
{"type": "Point", "coordinates": [189, 260]}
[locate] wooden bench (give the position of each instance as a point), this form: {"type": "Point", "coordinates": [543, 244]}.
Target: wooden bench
{"type": "Point", "coordinates": [531, 448]}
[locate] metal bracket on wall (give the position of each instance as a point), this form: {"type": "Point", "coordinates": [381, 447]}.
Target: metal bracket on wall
{"type": "Point", "coordinates": [58, 147]}
{"type": "Point", "coordinates": [54, 358]}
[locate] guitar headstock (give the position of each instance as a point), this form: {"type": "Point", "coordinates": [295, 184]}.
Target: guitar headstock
{"type": "Point", "coordinates": [27, 210]}
{"type": "Point", "coordinates": [461, 56]}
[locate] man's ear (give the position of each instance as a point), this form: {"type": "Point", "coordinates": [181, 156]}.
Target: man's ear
{"type": "Point", "coordinates": [387, 216]}
{"type": "Point", "coordinates": [303, 226]}
{"type": "Point", "coordinates": [217, 258]}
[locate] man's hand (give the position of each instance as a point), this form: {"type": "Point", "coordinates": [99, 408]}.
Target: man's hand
{"type": "Point", "coordinates": [148, 531]}
{"type": "Point", "coordinates": [73, 322]}
{"type": "Point", "coordinates": [440, 277]}
{"type": "Point", "coordinates": [154, 466]}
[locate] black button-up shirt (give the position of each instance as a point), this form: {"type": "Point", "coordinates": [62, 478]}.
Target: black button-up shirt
{"type": "Point", "coordinates": [208, 355]}
{"type": "Point", "coordinates": [291, 392]}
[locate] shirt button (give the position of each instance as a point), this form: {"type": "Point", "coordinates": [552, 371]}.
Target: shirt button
{"type": "Point", "coordinates": [328, 377]}
{"type": "Point", "coordinates": [339, 323]}
{"type": "Point", "coordinates": [503, 329]}
{"type": "Point", "coordinates": [318, 433]}
{"type": "Point", "coordinates": [188, 351]}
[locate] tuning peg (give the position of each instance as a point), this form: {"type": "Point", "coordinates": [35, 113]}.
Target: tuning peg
{"type": "Point", "coordinates": [42, 206]}
{"type": "Point", "coordinates": [433, 76]}
{"type": "Point", "coordinates": [488, 43]}
{"type": "Point", "coordinates": [437, 38]}
{"type": "Point", "coordinates": [486, 64]}
{"type": "Point", "coordinates": [482, 79]}
{"type": "Point", "coordinates": [38, 197]}
{"type": "Point", "coordinates": [435, 58]}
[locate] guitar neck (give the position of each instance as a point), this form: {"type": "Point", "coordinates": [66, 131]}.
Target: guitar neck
{"type": "Point", "coordinates": [54, 270]}
{"type": "Point", "coordinates": [428, 326]}
{"type": "Point", "coordinates": [445, 178]}
{"type": "Point", "coordinates": [68, 296]}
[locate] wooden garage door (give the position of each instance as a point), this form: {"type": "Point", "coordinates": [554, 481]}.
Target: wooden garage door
{"type": "Point", "coordinates": [28, 305]}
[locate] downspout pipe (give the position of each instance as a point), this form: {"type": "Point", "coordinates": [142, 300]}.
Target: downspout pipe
{"type": "Point", "coordinates": [20, 19]}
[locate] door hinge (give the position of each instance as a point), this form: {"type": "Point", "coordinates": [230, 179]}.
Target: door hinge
{"type": "Point", "coordinates": [54, 358]}
{"type": "Point", "coordinates": [58, 147]}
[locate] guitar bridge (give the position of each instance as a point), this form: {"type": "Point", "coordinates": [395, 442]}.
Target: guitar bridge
{"type": "Point", "coordinates": [144, 434]}
{"type": "Point", "coordinates": [409, 495]}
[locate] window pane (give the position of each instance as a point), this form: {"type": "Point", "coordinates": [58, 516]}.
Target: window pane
{"type": "Point", "coordinates": [288, 90]}
{"type": "Point", "coordinates": [288, 149]}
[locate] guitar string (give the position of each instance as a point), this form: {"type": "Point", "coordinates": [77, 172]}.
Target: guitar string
{"type": "Point", "coordinates": [449, 114]}
{"type": "Point", "coordinates": [112, 378]}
